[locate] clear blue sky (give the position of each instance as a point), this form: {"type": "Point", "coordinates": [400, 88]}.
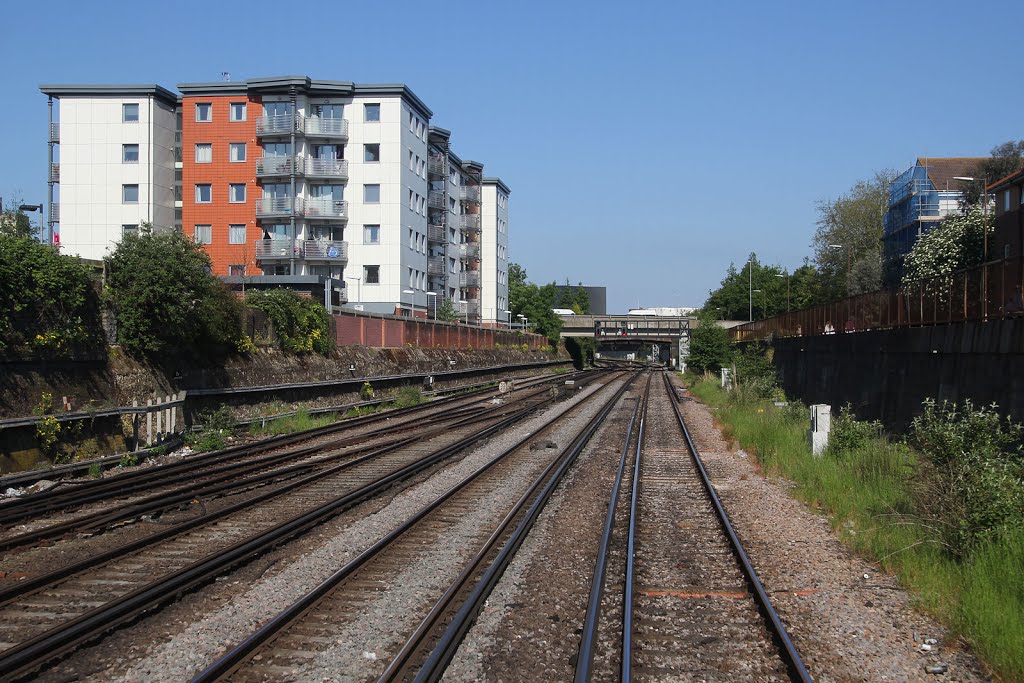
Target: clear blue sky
{"type": "Point", "coordinates": [647, 144]}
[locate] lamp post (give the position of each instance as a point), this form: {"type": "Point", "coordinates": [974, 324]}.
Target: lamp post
{"type": "Point", "coordinates": [839, 246]}
{"type": "Point", "coordinates": [984, 247]}
{"type": "Point", "coordinates": [522, 318]}
{"type": "Point", "coordinates": [433, 296]}
{"type": "Point", "coordinates": [39, 208]}
{"type": "Point", "coordinates": [509, 314]}
{"type": "Point", "coordinates": [750, 290]}
{"type": "Point", "coordinates": [763, 307]}
{"type": "Point", "coordinates": [787, 287]}
{"type": "Point", "coordinates": [412, 300]}
{"type": "Point", "coordinates": [359, 287]}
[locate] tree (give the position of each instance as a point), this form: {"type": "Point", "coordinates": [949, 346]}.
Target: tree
{"type": "Point", "coordinates": [166, 302]}
{"type": "Point", "coordinates": [446, 311]}
{"type": "Point", "coordinates": [14, 222]}
{"type": "Point", "coordinates": [956, 244]}
{"type": "Point", "coordinates": [849, 233]}
{"type": "Point", "coordinates": [805, 287]}
{"type": "Point", "coordinates": [709, 345]}
{"type": "Point", "coordinates": [755, 289]}
{"type": "Point", "coordinates": [575, 299]}
{"type": "Point", "coordinates": [534, 303]}
{"type": "Point", "coordinates": [1006, 159]}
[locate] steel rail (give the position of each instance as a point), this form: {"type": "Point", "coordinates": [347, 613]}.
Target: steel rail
{"type": "Point", "coordinates": [237, 656]}
{"type": "Point", "coordinates": [449, 641]}
{"type": "Point", "coordinates": [626, 667]}
{"type": "Point", "coordinates": [790, 656]}
{"type": "Point", "coordinates": [35, 652]}
{"type": "Point", "coordinates": [588, 639]}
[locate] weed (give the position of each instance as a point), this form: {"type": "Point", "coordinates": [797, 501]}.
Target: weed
{"type": "Point", "coordinates": [95, 470]}
{"type": "Point", "coordinates": [407, 397]}
{"type": "Point", "coordinates": [366, 391]}
{"type": "Point", "coordinates": [128, 460]}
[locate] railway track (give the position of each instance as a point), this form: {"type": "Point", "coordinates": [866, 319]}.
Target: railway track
{"type": "Point", "coordinates": [309, 630]}
{"type": "Point", "coordinates": [44, 618]}
{"type": "Point", "coordinates": [692, 605]}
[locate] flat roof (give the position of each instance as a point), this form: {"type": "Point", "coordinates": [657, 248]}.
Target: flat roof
{"type": "Point", "coordinates": [110, 90]}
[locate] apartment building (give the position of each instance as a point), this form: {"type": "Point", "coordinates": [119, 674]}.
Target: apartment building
{"type": "Point", "coordinates": [335, 188]}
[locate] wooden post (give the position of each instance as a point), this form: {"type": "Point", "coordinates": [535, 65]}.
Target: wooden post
{"type": "Point", "coordinates": [149, 421]}
{"type": "Point", "coordinates": [159, 419]}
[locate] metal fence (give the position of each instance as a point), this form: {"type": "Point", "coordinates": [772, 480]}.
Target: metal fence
{"type": "Point", "coordinates": [989, 291]}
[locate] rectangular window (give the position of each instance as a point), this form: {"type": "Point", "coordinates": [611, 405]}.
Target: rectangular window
{"type": "Point", "coordinates": [371, 112]}
{"type": "Point", "coordinates": [204, 112]}
{"type": "Point", "coordinates": [371, 194]}
{"type": "Point", "coordinates": [203, 234]}
{"type": "Point", "coordinates": [204, 194]}
{"type": "Point", "coordinates": [236, 271]}
{"type": "Point", "coordinates": [236, 193]}
{"type": "Point", "coordinates": [410, 159]}
{"type": "Point", "coordinates": [236, 234]}
{"type": "Point", "coordinates": [130, 113]}
{"type": "Point", "coordinates": [412, 279]}
{"type": "Point", "coordinates": [204, 153]}
{"type": "Point", "coordinates": [130, 194]}
{"type": "Point", "coordinates": [412, 244]}
{"type": "Point", "coordinates": [371, 153]}
{"type": "Point", "coordinates": [412, 202]}
{"type": "Point", "coordinates": [371, 234]}
{"type": "Point", "coordinates": [236, 151]}
{"type": "Point", "coordinates": [129, 229]}
{"type": "Point", "coordinates": [237, 111]}
{"type": "Point", "coordinates": [130, 154]}
{"type": "Point", "coordinates": [1006, 200]}
{"type": "Point", "coordinates": [371, 275]}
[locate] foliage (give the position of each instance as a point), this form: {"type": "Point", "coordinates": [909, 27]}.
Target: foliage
{"type": "Point", "coordinates": [755, 373]}
{"type": "Point", "coordinates": [533, 302]}
{"type": "Point", "coordinates": [956, 244]}
{"type": "Point", "coordinates": [95, 471]}
{"type": "Point", "coordinates": [301, 324]}
{"type": "Point", "coordinates": [217, 425]}
{"type": "Point", "coordinates": [166, 302]}
{"type": "Point", "coordinates": [974, 487]}
{"type": "Point", "coordinates": [407, 397]}
{"type": "Point", "coordinates": [755, 289]}
{"type": "Point", "coordinates": [850, 232]}
{"type": "Point", "coordinates": [47, 428]}
{"type": "Point", "coordinates": [709, 345]}
{"type": "Point", "coordinates": [300, 422]}
{"type": "Point", "coordinates": [15, 223]}
{"type": "Point", "coordinates": [581, 350]}
{"type": "Point", "coordinates": [573, 298]}
{"type": "Point", "coordinates": [245, 344]}
{"type": "Point", "coordinates": [366, 391]}
{"type": "Point", "coordinates": [848, 434]}
{"type": "Point", "coordinates": [447, 311]}
{"type": "Point", "coordinates": [1006, 158]}
{"type": "Point", "coordinates": [50, 306]}
{"type": "Point", "coordinates": [127, 460]}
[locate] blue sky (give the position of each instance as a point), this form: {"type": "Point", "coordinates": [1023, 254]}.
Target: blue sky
{"type": "Point", "coordinates": [647, 144]}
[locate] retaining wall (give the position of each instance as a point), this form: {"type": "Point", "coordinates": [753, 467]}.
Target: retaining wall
{"type": "Point", "coordinates": [385, 331]}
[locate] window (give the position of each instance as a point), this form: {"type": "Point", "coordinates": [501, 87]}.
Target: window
{"type": "Point", "coordinates": [236, 234]}
{"type": "Point", "coordinates": [236, 271]}
{"type": "Point", "coordinates": [129, 229]}
{"type": "Point", "coordinates": [371, 234]}
{"type": "Point", "coordinates": [371, 153]}
{"type": "Point", "coordinates": [130, 154]}
{"type": "Point", "coordinates": [204, 194]}
{"type": "Point", "coordinates": [410, 160]}
{"type": "Point", "coordinates": [130, 194]}
{"type": "Point", "coordinates": [204, 112]}
{"type": "Point", "coordinates": [237, 112]}
{"type": "Point", "coordinates": [130, 113]}
{"type": "Point", "coordinates": [203, 234]}
{"type": "Point", "coordinates": [236, 193]}
{"type": "Point", "coordinates": [371, 194]}
{"type": "Point", "coordinates": [236, 151]}
{"type": "Point", "coordinates": [204, 152]}
{"type": "Point", "coordinates": [412, 243]}
{"type": "Point", "coordinates": [371, 275]}
{"type": "Point", "coordinates": [372, 112]}
{"type": "Point", "coordinates": [1006, 200]}
{"type": "Point", "coordinates": [412, 201]}
{"type": "Point", "coordinates": [412, 278]}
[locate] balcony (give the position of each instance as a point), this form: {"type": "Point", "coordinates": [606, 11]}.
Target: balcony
{"type": "Point", "coordinates": [435, 165]}
{"type": "Point", "coordinates": [469, 221]}
{"type": "Point", "coordinates": [281, 124]}
{"type": "Point", "coordinates": [435, 265]}
{"type": "Point", "coordinates": [271, 207]}
{"type": "Point", "coordinates": [470, 250]}
{"type": "Point", "coordinates": [54, 212]}
{"type": "Point", "coordinates": [469, 278]}
{"type": "Point", "coordinates": [329, 128]}
{"type": "Point", "coordinates": [54, 173]}
{"type": "Point", "coordinates": [325, 250]}
{"type": "Point", "coordinates": [435, 199]}
{"type": "Point", "coordinates": [268, 250]}
{"type": "Point", "coordinates": [55, 132]}
{"type": "Point", "coordinates": [470, 308]}
{"type": "Point", "coordinates": [436, 234]}
{"type": "Point", "coordinates": [327, 168]}
{"type": "Point", "coordinates": [267, 167]}
{"type": "Point", "coordinates": [326, 208]}
{"type": "Point", "coordinates": [469, 193]}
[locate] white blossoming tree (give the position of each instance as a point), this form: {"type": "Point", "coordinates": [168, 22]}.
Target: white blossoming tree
{"type": "Point", "coordinates": [956, 244]}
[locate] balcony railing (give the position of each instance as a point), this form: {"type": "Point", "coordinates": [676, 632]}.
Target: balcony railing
{"type": "Point", "coordinates": [435, 265]}
{"type": "Point", "coordinates": [55, 212]}
{"type": "Point", "coordinates": [470, 307]}
{"type": "Point", "coordinates": [55, 132]}
{"type": "Point", "coordinates": [277, 206]}
{"type": "Point", "coordinates": [469, 193]}
{"type": "Point", "coordinates": [279, 166]}
{"type": "Point", "coordinates": [334, 128]}
{"type": "Point", "coordinates": [54, 173]}
{"type": "Point", "coordinates": [435, 199]}
{"type": "Point", "coordinates": [469, 221]}
{"type": "Point", "coordinates": [276, 249]}
{"type": "Point", "coordinates": [469, 250]}
{"type": "Point", "coordinates": [280, 124]}
{"type": "Point", "coordinates": [469, 278]}
{"type": "Point", "coordinates": [325, 250]}
{"type": "Point", "coordinates": [327, 168]}
{"type": "Point", "coordinates": [435, 164]}
{"type": "Point", "coordinates": [436, 234]}
{"type": "Point", "coordinates": [326, 207]}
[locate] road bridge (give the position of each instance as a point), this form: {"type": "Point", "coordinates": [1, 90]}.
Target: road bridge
{"type": "Point", "coordinates": [630, 335]}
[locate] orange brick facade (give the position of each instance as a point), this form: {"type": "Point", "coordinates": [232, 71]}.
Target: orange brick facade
{"type": "Point", "coordinates": [220, 173]}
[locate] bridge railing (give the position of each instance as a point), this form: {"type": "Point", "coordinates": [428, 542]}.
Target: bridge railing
{"type": "Point", "coordinates": [985, 292]}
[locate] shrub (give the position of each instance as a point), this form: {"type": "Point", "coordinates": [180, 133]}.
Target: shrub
{"type": "Point", "coordinates": [47, 428]}
{"type": "Point", "coordinates": [407, 397]}
{"type": "Point", "coordinates": [709, 345]}
{"type": "Point", "coordinates": [755, 373]}
{"type": "Point", "coordinates": [850, 434]}
{"type": "Point", "coordinates": [366, 391]}
{"type": "Point", "coordinates": [301, 324]}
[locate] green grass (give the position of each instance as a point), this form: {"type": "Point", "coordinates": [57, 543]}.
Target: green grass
{"type": "Point", "coordinates": [299, 422]}
{"type": "Point", "coordinates": [867, 494]}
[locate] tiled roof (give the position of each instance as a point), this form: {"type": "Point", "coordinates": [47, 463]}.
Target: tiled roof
{"type": "Point", "coordinates": [942, 171]}
{"type": "Point", "coordinates": [1014, 177]}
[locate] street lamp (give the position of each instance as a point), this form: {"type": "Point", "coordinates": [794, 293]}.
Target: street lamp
{"type": "Point", "coordinates": [509, 314]}
{"type": "Point", "coordinates": [39, 208]}
{"type": "Point", "coordinates": [359, 287]}
{"type": "Point", "coordinates": [839, 246]}
{"type": "Point", "coordinates": [412, 300]}
{"type": "Point", "coordinates": [433, 296]}
{"type": "Point", "coordinates": [787, 287]}
{"type": "Point", "coordinates": [750, 290]}
{"type": "Point", "coordinates": [523, 318]}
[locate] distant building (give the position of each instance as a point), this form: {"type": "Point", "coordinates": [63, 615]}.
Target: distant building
{"type": "Point", "coordinates": [919, 199]}
{"type": "Point", "coordinates": [1007, 243]}
{"type": "Point", "coordinates": [596, 296]}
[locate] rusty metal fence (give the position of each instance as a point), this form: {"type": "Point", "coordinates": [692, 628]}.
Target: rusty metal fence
{"type": "Point", "coordinates": [985, 292]}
